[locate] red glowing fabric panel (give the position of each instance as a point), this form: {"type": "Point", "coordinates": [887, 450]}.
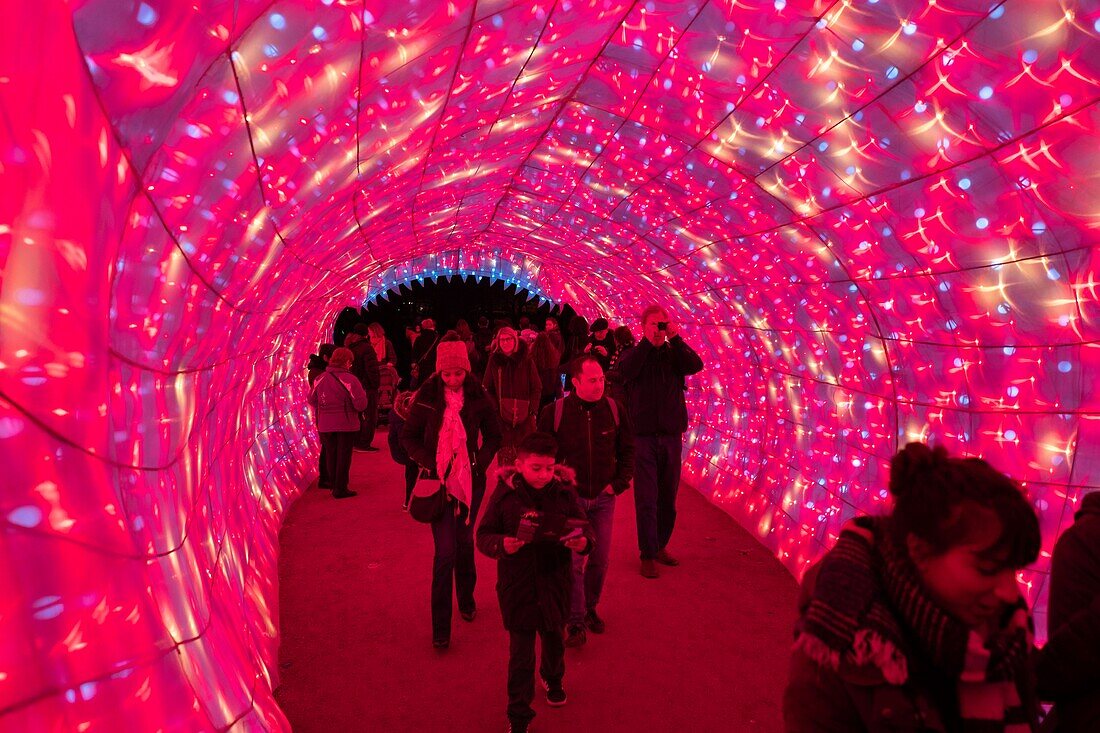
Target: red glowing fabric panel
{"type": "Point", "coordinates": [877, 221]}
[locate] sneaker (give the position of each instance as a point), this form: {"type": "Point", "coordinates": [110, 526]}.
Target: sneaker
{"type": "Point", "coordinates": [649, 569]}
{"type": "Point", "coordinates": [666, 559]}
{"type": "Point", "coordinates": [517, 728]}
{"type": "Point", "coordinates": [575, 636]}
{"type": "Point", "coordinates": [361, 450]}
{"type": "Point", "coordinates": [594, 623]}
{"type": "Point", "coordinates": [441, 643]}
{"type": "Point", "coordinates": [345, 495]}
{"type": "Point", "coordinates": [405, 506]}
{"type": "Point", "coordinates": [555, 693]}
{"type": "Point", "coordinates": [468, 615]}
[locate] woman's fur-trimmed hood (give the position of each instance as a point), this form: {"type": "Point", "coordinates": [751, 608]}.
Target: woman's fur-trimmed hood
{"type": "Point", "coordinates": [562, 473]}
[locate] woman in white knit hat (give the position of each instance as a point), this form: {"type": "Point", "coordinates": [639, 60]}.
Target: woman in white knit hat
{"type": "Point", "coordinates": [450, 411]}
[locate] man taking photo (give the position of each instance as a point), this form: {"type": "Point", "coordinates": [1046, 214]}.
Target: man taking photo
{"type": "Point", "coordinates": [653, 375]}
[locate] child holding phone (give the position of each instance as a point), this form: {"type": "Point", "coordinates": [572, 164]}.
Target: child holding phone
{"type": "Point", "coordinates": [534, 578]}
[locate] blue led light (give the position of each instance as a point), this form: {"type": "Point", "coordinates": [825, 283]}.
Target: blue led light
{"type": "Point", "coordinates": [982, 223]}
{"type": "Point", "coordinates": [1065, 367]}
{"type": "Point", "coordinates": [146, 15]}
{"type": "Point", "coordinates": [985, 92]}
{"type": "Point", "coordinates": [278, 22]}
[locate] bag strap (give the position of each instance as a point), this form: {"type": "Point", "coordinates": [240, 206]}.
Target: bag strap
{"type": "Point", "coordinates": [559, 408]}
{"type": "Point", "coordinates": [614, 410]}
{"type": "Point", "coordinates": [341, 381]}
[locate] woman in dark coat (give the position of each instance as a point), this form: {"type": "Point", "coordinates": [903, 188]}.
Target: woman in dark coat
{"type": "Point", "coordinates": [914, 621]}
{"type": "Point", "coordinates": [512, 381]}
{"type": "Point", "coordinates": [547, 357]}
{"type": "Point", "coordinates": [450, 412]}
{"type": "Point", "coordinates": [1069, 665]}
{"type": "Point", "coordinates": [576, 340]}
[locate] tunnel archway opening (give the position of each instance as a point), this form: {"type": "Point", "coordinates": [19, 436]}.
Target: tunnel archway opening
{"type": "Point", "coordinates": [449, 298]}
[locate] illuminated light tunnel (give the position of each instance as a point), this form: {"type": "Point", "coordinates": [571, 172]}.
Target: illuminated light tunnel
{"type": "Point", "coordinates": [877, 221]}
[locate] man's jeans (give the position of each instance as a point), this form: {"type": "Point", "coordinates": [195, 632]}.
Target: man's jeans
{"type": "Point", "coordinates": [657, 462]}
{"type": "Point", "coordinates": [589, 571]}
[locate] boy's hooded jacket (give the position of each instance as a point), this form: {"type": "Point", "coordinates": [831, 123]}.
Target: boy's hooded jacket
{"type": "Point", "coordinates": [535, 583]}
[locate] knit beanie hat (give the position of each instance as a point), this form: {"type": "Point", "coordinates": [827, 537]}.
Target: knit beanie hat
{"type": "Point", "coordinates": [451, 355]}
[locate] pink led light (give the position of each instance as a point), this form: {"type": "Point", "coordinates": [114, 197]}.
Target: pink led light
{"type": "Point", "coordinates": [877, 221]}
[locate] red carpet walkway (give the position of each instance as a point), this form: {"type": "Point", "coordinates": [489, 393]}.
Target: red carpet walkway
{"type": "Point", "coordinates": [702, 648]}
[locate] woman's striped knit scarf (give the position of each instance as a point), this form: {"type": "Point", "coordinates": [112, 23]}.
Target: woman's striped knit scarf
{"type": "Point", "coordinates": [869, 609]}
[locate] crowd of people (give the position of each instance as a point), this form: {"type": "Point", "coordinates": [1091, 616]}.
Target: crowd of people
{"type": "Point", "coordinates": [913, 621]}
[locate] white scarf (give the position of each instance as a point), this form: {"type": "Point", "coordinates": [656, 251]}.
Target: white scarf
{"type": "Point", "coordinates": [451, 452]}
{"type": "Point", "coordinates": [379, 348]}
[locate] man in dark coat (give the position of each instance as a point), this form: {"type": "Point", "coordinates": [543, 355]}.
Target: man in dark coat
{"type": "Point", "coordinates": [601, 344]}
{"type": "Point", "coordinates": [318, 363]}
{"type": "Point", "coordinates": [365, 369]}
{"type": "Point", "coordinates": [653, 377]}
{"type": "Point", "coordinates": [554, 332]}
{"type": "Point", "coordinates": [423, 353]}
{"type": "Point", "coordinates": [595, 440]}
{"type": "Point", "coordinates": [533, 578]}
{"type": "Point", "coordinates": [1069, 665]}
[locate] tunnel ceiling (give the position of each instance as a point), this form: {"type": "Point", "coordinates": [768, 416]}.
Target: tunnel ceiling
{"type": "Point", "coordinates": [877, 221]}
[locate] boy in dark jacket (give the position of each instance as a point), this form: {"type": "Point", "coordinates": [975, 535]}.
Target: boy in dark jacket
{"type": "Point", "coordinates": [534, 579]}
